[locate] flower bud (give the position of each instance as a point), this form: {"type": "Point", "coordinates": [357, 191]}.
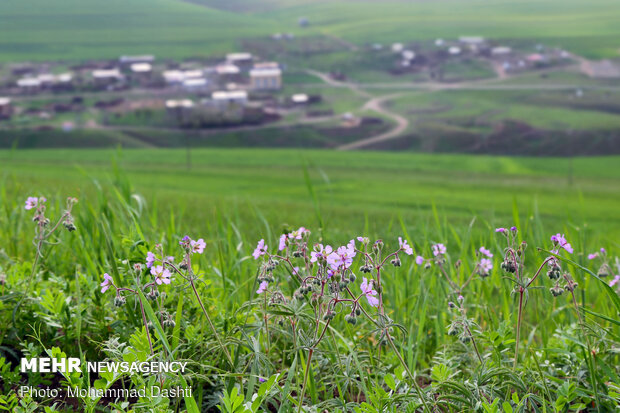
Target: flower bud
{"type": "Point", "coordinates": [604, 271]}
{"type": "Point", "coordinates": [119, 301]}
{"type": "Point", "coordinates": [68, 224]}
{"type": "Point", "coordinates": [556, 290]}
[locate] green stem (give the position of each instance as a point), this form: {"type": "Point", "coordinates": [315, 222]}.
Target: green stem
{"type": "Point", "coordinates": [303, 387]}
{"type": "Point", "coordinates": [402, 362]}
{"type": "Point", "coordinates": [217, 337]}
{"type": "Point", "coordinates": [519, 315]}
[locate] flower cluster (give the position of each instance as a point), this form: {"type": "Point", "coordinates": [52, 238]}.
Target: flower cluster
{"type": "Point", "coordinates": [39, 205]}
{"type": "Point", "coordinates": [160, 268]}
{"type": "Point", "coordinates": [325, 274]}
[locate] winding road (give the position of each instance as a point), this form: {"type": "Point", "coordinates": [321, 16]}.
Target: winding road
{"type": "Point", "coordinates": [375, 104]}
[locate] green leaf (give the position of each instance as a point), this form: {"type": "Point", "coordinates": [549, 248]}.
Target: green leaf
{"type": "Point", "coordinates": [190, 403]}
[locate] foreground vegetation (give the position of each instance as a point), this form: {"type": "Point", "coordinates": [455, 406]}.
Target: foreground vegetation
{"type": "Point", "coordinates": [434, 327]}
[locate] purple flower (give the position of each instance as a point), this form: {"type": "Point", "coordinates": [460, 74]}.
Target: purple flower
{"type": "Point", "coordinates": [107, 282]}
{"type": "Point", "coordinates": [299, 233]}
{"type": "Point", "coordinates": [485, 251]}
{"type": "Point", "coordinates": [370, 294]}
{"type": "Point", "coordinates": [185, 241]}
{"type": "Point", "coordinates": [282, 244]}
{"type": "Point", "coordinates": [320, 252]}
{"type": "Point", "coordinates": [404, 246]}
{"type": "Point", "coordinates": [198, 246]}
{"type": "Point", "coordinates": [500, 230]}
{"type": "Point", "coordinates": [486, 265]}
{"type": "Point", "coordinates": [295, 270]}
{"type": "Point", "coordinates": [439, 249]}
{"type": "Point", "coordinates": [363, 240]}
{"type": "Point", "coordinates": [262, 287]}
{"type": "Point", "coordinates": [560, 241]}
{"type": "Point", "coordinates": [513, 229]}
{"type": "Point", "coordinates": [161, 274]}
{"type": "Point", "coordinates": [592, 256]}
{"type": "Point", "coordinates": [603, 251]}
{"type": "Point", "coordinates": [351, 246]}
{"type": "Point", "coordinates": [419, 260]}
{"type": "Point", "coordinates": [615, 281]}
{"type": "Point", "coordinates": [150, 259]}
{"type": "Point", "coordinates": [31, 202]}
{"type": "Point", "coordinates": [169, 259]}
{"type": "Point", "coordinates": [261, 248]}
{"type": "Point", "coordinates": [260, 379]}
{"type": "Point", "coordinates": [342, 257]}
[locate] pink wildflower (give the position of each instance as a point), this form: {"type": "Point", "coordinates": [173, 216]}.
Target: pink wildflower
{"type": "Point", "coordinates": [342, 257]}
{"type": "Point", "coordinates": [198, 246]}
{"type": "Point", "coordinates": [560, 241]}
{"type": "Point", "coordinates": [485, 251]}
{"type": "Point", "coordinates": [107, 282]}
{"type": "Point", "coordinates": [262, 287]}
{"type": "Point", "coordinates": [404, 246]}
{"type": "Point", "coordinates": [320, 252]}
{"type": "Point", "coordinates": [161, 274]}
{"type": "Point", "coordinates": [439, 249]}
{"type": "Point", "coordinates": [150, 259]}
{"type": "Point", "coordinates": [261, 248]}
{"type": "Point", "coordinates": [368, 291]}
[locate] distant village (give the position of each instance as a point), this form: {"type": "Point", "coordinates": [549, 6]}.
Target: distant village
{"type": "Point", "coordinates": [237, 89]}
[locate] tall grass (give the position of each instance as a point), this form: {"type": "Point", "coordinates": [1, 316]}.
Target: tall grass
{"type": "Point", "coordinates": [350, 368]}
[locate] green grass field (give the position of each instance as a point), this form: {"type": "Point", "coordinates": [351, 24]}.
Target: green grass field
{"type": "Point", "coordinates": [88, 29]}
{"type": "Point", "coordinates": [130, 201]}
{"type": "Point", "coordinates": [350, 187]}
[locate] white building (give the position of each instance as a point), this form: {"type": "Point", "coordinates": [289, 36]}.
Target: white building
{"type": "Point", "coordinates": [239, 58]}
{"type": "Point", "coordinates": [265, 79]}
{"type": "Point", "coordinates": [29, 83]}
{"type": "Point", "coordinates": [501, 51]}
{"type": "Point", "coordinates": [225, 98]}
{"type": "Point", "coordinates": [195, 84]}
{"type": "Point", "coordinates": [104, 76]}
{"type": "Point", "coordinates": [129, 60]}
{"type": "Point", "coordinates": [141, 68]}
{"type": "Point", "coordinates": [6, 109]}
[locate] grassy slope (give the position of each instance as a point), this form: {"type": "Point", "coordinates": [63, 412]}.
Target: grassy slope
{"type": "Point", "coordinates": [81, 29]}
{"type": "Point", "coordinates": [89, 29]}
{"type": "Point", "coordinates": [350, 186]}
{"type": "Point", "coordinates": [584, 27]}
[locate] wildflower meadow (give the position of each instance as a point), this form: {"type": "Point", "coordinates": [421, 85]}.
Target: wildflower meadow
{"type": "Point", "coordinates": [234, 315]}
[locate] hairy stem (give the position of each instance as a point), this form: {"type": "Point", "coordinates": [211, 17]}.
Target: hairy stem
{"type": "Point", "coordinates": [148, 333]}
{"type": "Point", "coordinates": [519, 316]}
{"type": "Point", "coordinates": [402, 362]}
{"type": "Point", "coordinates": [217, 337]}
{"type": "Point", "coordinates": [303, 387]}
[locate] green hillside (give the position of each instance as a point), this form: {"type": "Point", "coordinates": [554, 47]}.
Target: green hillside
{"type": "Point", "coordinates": [88, 29]}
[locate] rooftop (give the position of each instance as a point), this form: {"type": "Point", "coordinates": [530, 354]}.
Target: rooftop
{"type": "Point", "coordinates": [107, 73]}
{"type": "Point", "coordinates": [265, 72]}
{"type": "Point", "coordinates": [141, 67]}
{"type": "Point", "coordinates": [229, 95]}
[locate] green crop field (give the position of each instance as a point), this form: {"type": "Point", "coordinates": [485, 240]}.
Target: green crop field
{"type": "Point", "coordinates": [89, 29]}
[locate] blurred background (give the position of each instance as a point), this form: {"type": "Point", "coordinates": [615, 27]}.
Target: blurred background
{"type": "Point", "coordinates": [342, 111]}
